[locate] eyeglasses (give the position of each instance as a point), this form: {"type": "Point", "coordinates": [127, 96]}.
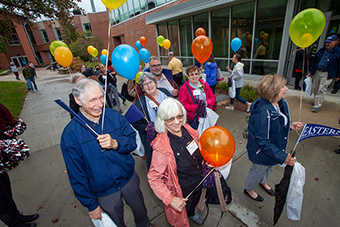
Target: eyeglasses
{"type": "Point", "coordinates": [148, 83]}
{"type": "Point", "coordinates": [193, 74]}
{"type": "Point", "coordinates": [178, 117]}
{"type": "Point", "coordinates": [154, 66]}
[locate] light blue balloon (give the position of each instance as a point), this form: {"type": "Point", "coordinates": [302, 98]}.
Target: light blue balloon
{"type": "Point", "coordinates": [235, 44]}
{"type": "Point", "coordinates": [125, 61]}
{"type": "Point", "coordinates": [103, 59]}
{"type": "Point", "coordinates": [256, 41]}
{"type": "Point", "coordinates": [144, 55]}
{"type": "Point", "coordinates": [138, 45]}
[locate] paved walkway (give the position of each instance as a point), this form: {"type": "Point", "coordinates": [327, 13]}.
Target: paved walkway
{"type": "Point", "coordinates": [40, 184]}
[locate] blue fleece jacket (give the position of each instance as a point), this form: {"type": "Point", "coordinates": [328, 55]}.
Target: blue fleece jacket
{"type": "Point", "coordinates": [268, 135]}
{"type": "Point", "coordinates": [210, 70]}
{"type": "Point", "coordinates": [333, 62]}
{"type": "Point", "coordinates": [95, 172]}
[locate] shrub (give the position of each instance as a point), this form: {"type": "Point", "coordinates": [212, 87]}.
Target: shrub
{"type": "Point", "coordinates": [223, 86]}
{"type": "Point", "coordinates": [249, 93]}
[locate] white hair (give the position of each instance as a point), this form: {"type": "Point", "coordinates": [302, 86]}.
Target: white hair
{"type": "Point", "coordinates": [75, 77]}
{"type": "Point", "coordinates": [168, 108]}
{"type": "Point", "coordinates": [79, 88]}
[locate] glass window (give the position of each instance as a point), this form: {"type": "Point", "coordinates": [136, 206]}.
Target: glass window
{"type": "Point", "coordinates": [39, 59]}
{"type": "Point", "coordinates": [13, 39]}
{"type": "Point", "coordinates": [44, 36]}
{"type": "Point", "coordinates": [130, 8]}
{"type": "Point", "coordinates": [87, 27]}
{"type": "Point", "coordinates": [160, 2]}
{"type": "Point", "coordinates": [201, 21]}
{"type": "Point", "coordinates": [305, 4]}
{"type": "Point", "coordinates": [124, 12]}
{"type": "Point", "coordinates": [136, 6]}
{"type": "Point", "coordinates": [143, 6]}
{"type": "Point", "coordinates": [151, 4]}
{"type": "Point", "coordinates": [173, 37]}
{"type": "Point", "coordinates": [162, 31]}
{"type": "Point", "coordinates": [263, 68]}
{"type": "Point", "coordinates": [220, 32]}
{"type": "Point", "coordinates": [186, 36]}
{"type": "Point", "coordinates": [30, 35]}
{"type": "Point", "coordinates": [242, 27]}
{"type": "Point", "coordinates": [58, 34]}
{"type": "Point", "coordinates": [335, 7]}
{"type": "Point", "coordinates": [269, 28]}
{"type": "Point", "coordinates": [187, 61]}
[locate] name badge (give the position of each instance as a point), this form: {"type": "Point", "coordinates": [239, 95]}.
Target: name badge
{"type": "Point", "coordinates": [152, 104]}
{"type": "Point", "coordinates": [192, 147]}
{"type": "Point", "coordinates": [197, 92]}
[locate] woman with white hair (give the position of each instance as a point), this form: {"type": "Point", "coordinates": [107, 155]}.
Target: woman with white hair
{"type": "Point", "coordinates": [176, 166]}
{"type": "Point", "coordinates": [148, 104]}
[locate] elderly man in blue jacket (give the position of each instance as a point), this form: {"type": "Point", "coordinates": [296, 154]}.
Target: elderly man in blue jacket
{"type": "Point", "coordinates": [101, 168]}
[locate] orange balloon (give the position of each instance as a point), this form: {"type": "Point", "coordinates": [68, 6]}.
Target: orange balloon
{"type": "Point", "coordinates": [63, 56]}
{"type": "Point", "coordinates": [265, 36]}
{"type": "Point", "coordinates": [142, 40]}
{"type": "Point", "coordinates": [217, 146]}
{"type": "Point", "coordinates": [200, 31]}
{"type": "Point", "coordinates": [166, 44]}
{"type": "Point", "coordinates": [201, 48]}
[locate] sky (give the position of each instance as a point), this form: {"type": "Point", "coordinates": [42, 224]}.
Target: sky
{"type": "Point", "coordinates": [86, 5]}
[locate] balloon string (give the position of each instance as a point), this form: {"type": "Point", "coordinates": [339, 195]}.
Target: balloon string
{"type": "Point", "coordinates": [301, 90]}
{"type": "Point", "coordinates": [140, 102]}
{"type": "Point", "coordinates": [107, 60]}
{"type": "Point", "coordinates": [200, 183]}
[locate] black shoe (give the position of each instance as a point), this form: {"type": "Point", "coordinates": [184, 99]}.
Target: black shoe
{"type": "Point", "coordinates": [334, 91]}
{"type": "Point", "coordinates": [124, 100]}
{"type": "Point", "coordinates": [27, 218]}
{"type": "Point", "coordinates": [121, 111]}
{"type": "Point", "coordinates": [269, 191]}
{"type": "Point", "coordinates": [258, 198]}
{"type": "Point", "coordinates": [337, 151]}
{"type": "Point", "coordinates": [33, 224]}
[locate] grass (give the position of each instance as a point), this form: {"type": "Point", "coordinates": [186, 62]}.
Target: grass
{"type": "Point", "coordinates": [12, 95]}
{"type": "Point", "coordinates": [1, 70]}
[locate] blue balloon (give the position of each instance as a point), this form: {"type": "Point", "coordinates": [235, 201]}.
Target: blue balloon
{"type": "Point", "coordinates": [256, 40]}
{"type": "Point", "coordinates": [235, 44]}
{"type": "Point", "coordinates": [144, 55]}
{"type": "Point", "coordinates": [125, 61]}
{"type": "Point", "coordinates": [138, 45]}
{"type": "Point", "coordinates": [103, 59]}
{"type": "Point", "coordinates": [244, 36]}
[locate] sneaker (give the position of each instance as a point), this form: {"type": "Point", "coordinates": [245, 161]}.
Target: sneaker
{"type": "Point", "coordinates": [248, 108]}
{"type": "Point", "coordinates": [334, 91]}
{"type": "Point", "coordinates": [229, 107]}
{"type": "Point", "coordinates": [337, 151]}
{"type": "Point", "coordinates": [121, 111]}
{"type": "Point", "coordinates": [197, 219]}
{"type": "Point", "coordinates": [316, 109]}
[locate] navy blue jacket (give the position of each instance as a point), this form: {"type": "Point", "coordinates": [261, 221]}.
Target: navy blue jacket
{"type": "Point", "coordinates": [94, 172]}
{"type": "Point", "coordinates": [268, 136]}
{"type": "Point", "coordinates": [333, 62]}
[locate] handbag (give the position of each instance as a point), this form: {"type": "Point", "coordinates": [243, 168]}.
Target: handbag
{"type": "Point", "coordinates": [125, 93]}
{"type": "Point", "coordinates": [230, 82]}
{"type": "Point", "coordinates": [232, 89]}
{"type": "Point", "coordinates": [212, 197]}
{"type": "Point", "coordinates": [105, 222]}
{"type": "Point", "coordinates": [219, 75]}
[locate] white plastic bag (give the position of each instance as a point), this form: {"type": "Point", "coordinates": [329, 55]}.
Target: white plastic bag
{"type": "Point", "coordinates": [295, 192]}
{"type": "Point", "coordinates": [105, 222]}
{"type": "Point", "coordinates": [140, 151]}
{"type": "Point", "coordinates": [203, 77]}
{"type": "Point", "coordinates": [309, 86]}
{"type": "Point", "coordinates": [225, 169]}
{"type": "Point", "coordinates": [208, 121]}
{"type": "Point", "coordinates": [232, 90]}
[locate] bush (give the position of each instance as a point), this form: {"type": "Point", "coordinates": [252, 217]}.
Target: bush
{"type": "Point", "coordinates": [223, 86]}
{"type": "Point", "coordinates": [249, 93]}
{"type": "Point", "coordinates": [76, 64]}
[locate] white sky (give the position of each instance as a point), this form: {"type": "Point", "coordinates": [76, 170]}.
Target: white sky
{"type": "Point", "coordinates": [86, 5]}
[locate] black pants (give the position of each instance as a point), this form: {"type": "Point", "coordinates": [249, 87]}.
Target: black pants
{"type": "Point", "coordinates": [8, 209]}
{"type": "Point", "coordinates": [192, 201]}
{"type": "Point", "coordinates": [298, 77]}
{"type": "Point", "coordinates": [336, 85]}
{"type": "Point", "coordinates": [178, 78]}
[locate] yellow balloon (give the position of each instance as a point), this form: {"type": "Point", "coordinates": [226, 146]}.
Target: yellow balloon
{"type": "Point", "coordinates": [63, 56]}
{"type": "Point", "coordinates": [105, 52]}
{"type": "Point", "coordinates": [166, 44]}
{"type": "Point", "coordinates": [113, 4]}
{"type": "Point", "coordinates": [306, 27]}
{"type": "Point", "coordinates": [137, 76]}
{"type": "Point", "coordinates": [90, 49]}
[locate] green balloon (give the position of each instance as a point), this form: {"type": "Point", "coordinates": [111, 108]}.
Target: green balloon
{"type": "Point", "coordinates": [160, 40]}
{"type": "Point", "coordinates": [95, 53]}
{"type": "Point", "coordinates": [55, 44]}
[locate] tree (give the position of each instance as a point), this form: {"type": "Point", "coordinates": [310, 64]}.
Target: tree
{"type": "Point", "coordinates": [23, 11]}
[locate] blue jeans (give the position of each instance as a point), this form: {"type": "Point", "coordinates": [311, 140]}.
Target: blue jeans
{"type": "Point", "coordinates": [29, 83]}
{"type": "Point", "coordinates": [238, 97]}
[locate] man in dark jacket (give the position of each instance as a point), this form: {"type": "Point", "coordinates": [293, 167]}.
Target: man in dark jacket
{"type": "Point", "coordinates": [325, 68]}
{"type": "Point", "coordinates": [98, 160]}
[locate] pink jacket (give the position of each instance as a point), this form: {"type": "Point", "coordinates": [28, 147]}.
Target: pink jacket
{"type": "Point", "coordinates": [185, 98]}
{"type": "Point", "coordinates": [163, 177]}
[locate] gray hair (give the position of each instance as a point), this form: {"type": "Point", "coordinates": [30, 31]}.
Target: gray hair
{"type": "Point", "coordinates": [154, 58]}
{"type": "Point", "coordinates": [75, 77]}
{"type": "Point", "coordinates": [143, 77]}
{"type": "Point", "coordinates": [171, 53]}
{"type": "Point", "coordinates": [80, 88]}
{"type": "Point", "coordinates": [168, 108]}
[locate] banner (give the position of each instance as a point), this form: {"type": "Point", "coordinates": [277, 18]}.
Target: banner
{"type": "Point", "coordinates": [314, 130]}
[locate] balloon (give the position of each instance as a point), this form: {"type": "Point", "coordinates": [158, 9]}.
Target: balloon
{"type": "Point", "coordinates": [56, 44]}
{"type": "Point", "coordinates": [166, 44]}
{"type": "Point", "coordinates": [247, 34]}
{"type": "Point", "coordinates": [261, 34]}
{"type": "Point", "coordinates": [142, 40]}
{"type": "Point", "coordinates": [265, 36]}
{"type": "Point", "coordinates": [138, 45]}
{"type": "Point", "coordinates": [90, 49]}
{"type": "Point", "coordinates": [137, 76]}
{"type": "Point", "coordinates": [202, 48]}
{"type": "Point", "coordinates": [113, 4]}
{"type": "Point", "coordinates": [217, 146]}
{"type": "Point", "coordinates": [256, 41]}
{"type": "Point", "coordinates": [144, 55]}
{"type": "Point", "coordinates": [244, 37]}
{"type": "Point", "coordinates": [200, 31]}
{"type": "Point", "coordinates": [105, 52]}
{"type": "Point", "coordinates": [103, 59]}
{"type": "Point", "coordinates": [306, 27]}
{"type": "Point", "coordinates": [160, 40]}
{"type": "Point", "coordinates": [236, 44]}
{"type": "Point", "coordinates": [94, 52]}
{"type": "Point", "coordinates": [63, 56]}
{"type": "Point", "coordinates": [125, 61]}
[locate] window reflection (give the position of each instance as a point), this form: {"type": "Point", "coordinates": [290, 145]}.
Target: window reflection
{"type": "Point", "coordinates": [220, 32]}
{"type": "Point", "coordinates": [162, 31]}
{"type": "Point", "coordinates": [186, 36]}
{"type": "Point", "coordinates": [173, 37]}
{"type": "Point", "coordinates": [201, 21]}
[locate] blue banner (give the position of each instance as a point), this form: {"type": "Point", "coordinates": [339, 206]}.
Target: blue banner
{"type": "Point", "coordinates": [314, 130]}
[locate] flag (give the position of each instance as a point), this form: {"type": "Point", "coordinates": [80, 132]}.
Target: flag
{"type": "Point", "coordinates": [133, 114]}
{"type": "Point", "coordinates": [314, 130]}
